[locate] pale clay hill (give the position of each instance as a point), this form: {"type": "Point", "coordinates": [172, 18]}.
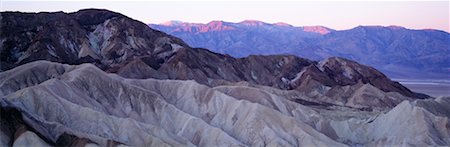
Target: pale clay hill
{"type": "Point", "coordinates": [92, 107]}
{"type": "Point", "coordinates": [130, 85]}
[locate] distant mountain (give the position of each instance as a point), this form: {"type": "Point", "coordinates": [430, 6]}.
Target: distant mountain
{"type": "Point", "coordinates": [245, 38]}
{"type": "Point", "coordinates": [98, 78]}
{"type": "Point", "coordinates": [394, 50]}
{"type": "Point", "coordinates": [118, 44]}
{"type": "Point", "coordinates": [397, 51]}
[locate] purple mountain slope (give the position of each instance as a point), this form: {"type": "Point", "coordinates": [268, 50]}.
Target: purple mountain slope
{"type": "Point", "coordinates": [99, 78]}
{"type": "Point", "coordinates": [118, 44]}
{"type": "Point", "coordinates": [243, 38]}
{"type": "Point", "coordinates": [397, 51]}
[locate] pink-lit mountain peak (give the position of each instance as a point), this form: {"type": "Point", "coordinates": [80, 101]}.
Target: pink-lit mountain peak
{"type": "Point", "coordinates": [218, 25]}
{"type": "Point", "coordinates": [392, 27]}
{"type": "Point", "coordinates": [283, 24]}
{"type": "Point", "coordinates": [252, 23]}
{"type": "Point", "coordinates": [395, 27]}
{"type": "Point", "coordinates": [172, 23]}
{"type": "Point", "coordinates": [317, 29]}
{"type": "Point", "coordinates": [177, 23]}
{"type": "Point", "coordinates": [215, 25]}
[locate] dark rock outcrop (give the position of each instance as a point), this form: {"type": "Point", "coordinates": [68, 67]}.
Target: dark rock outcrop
{"type": "Point", "coordinates": [96, 36]}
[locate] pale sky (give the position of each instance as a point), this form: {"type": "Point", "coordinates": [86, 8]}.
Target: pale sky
{"type": "Point", "coordinates": [334, 14]}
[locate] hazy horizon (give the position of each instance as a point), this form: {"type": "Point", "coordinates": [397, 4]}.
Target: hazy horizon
{"type": "Point", "coordinates": [339, 15]}
{"type": "Point", "coordinates": [205, 23]}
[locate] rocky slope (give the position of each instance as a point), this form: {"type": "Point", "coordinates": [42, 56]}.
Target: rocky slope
{"type": "Point", "coordinates": [118, 44]}
{"type": "Point", "coordinates": [97, 36]}
{"type": "Point", "coordinates": [82, 105]}
{"type": "Point", "coordinates": [125, 84]}
{"type": "Point", "coordinates": [397, 51]}
{"type": "Point", "coordinates": [284, 72]}
{"type": "Point", "coordinates": [249, 37]}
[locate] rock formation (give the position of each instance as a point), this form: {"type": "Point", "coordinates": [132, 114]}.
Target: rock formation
{"type": "Point", "coordinates": [396, 51]}
{"type": "Point", "coordinates": [95, 107]}
{"type": "Point", "coordinates": [98, 78]}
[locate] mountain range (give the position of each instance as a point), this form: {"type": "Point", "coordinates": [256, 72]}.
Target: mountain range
{"type": "Point", "coordinates": [396, 51]}
{"type": "Point", "coordinates": [99, 78]}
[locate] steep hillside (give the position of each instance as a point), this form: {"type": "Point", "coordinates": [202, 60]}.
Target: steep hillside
{"type": "Point", "coordinates": [245, 38]}
{"type": "Point", "coordinates": [118, 44]}
{"type": "Point", "coordinates": [97, 36]}
{"type": "Point", "coordinates": [82, 105]}
{"type": "Point", "coordinates": [98, 78]}
{"type": "Point", "coordinates": [396, 51]}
